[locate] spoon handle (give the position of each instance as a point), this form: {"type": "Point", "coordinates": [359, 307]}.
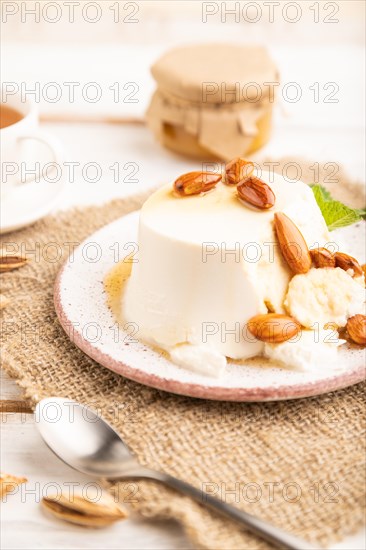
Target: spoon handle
{"type": "Point", "coordinates": [258, 526]}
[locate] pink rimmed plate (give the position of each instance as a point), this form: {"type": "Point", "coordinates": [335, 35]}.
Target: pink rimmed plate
{"type": "Point", "coordinates": [80, 302]}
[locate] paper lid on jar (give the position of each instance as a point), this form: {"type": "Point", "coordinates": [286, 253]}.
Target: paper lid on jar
{"type": "Point", "coordinates": [216, 73]}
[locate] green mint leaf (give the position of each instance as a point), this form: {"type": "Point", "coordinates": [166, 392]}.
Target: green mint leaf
{"type": "Point", "coordinates": [321, 194]}
{"type": "Point", "coordinates": [338, 215]}
{"type": "Point", "coordinates": [335, 213]}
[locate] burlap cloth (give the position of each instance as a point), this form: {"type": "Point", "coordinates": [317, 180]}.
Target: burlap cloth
{"type": "Point", "coordinates": [299, 464]}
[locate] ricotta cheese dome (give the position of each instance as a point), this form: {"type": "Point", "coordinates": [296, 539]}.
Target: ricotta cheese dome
{"type": "Point", "coordinates": [207, 263]}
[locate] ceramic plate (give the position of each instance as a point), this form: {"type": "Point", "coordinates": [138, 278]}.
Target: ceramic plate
{"type": "Point", "coordinates": [80, 302]}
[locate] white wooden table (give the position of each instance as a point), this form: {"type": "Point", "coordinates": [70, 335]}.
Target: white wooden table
{"type": "Point", "coordinates": [318, 133]}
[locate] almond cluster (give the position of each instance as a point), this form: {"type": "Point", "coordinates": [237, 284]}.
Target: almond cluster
{"type": "Point", "coordinates": [276, 328]}
{"type": "Point", "coordinates": [251, 190]}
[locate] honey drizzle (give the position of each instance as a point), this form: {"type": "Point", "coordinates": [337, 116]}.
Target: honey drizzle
{"type": "Point", "coordinates": [114, 285]}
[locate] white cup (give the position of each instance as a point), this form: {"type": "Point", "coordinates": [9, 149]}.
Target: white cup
{"type": "Point", "coordinates": [18, 143]}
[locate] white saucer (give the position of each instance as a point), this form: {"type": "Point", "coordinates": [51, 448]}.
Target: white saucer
{"type": "Point", "coordinates": [27, 203]}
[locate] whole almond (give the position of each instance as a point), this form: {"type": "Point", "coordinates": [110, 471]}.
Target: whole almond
{"type": "Point", "coordinates": [194, 183]}
{"type": "Point", "coordinates": [356, 327]}
{"type": "Point", "coordinates": [256, 192]}
{"type": "Point", "coordinates": [8, 262]}
{"type": "Point", "coordinates": [322, 257]}
{"type": "Point", "coordinates": [8, 483]}
{"type": "Point", "coordinates": [80, 510]}
{"type": "Point", "coordinates": [363, 267]}
{"type": "Point", "coordinates": [273, 328]}
{"type": "Point", "coordinates": [292, 244]}
{"type": "Point", "coordinates": [346, 262]}
{"type": "Point", "coordinates": [237, 170]}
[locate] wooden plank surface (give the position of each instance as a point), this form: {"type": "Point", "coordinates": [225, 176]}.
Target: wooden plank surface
{"type": "Point", "coordinates": [26, 526]}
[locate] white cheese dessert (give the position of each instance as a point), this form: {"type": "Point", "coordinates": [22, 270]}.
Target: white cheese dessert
{"type": "Point", "coordinates": [213, 258]}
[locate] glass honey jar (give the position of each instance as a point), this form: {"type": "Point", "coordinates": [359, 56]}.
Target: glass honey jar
{"type": "Point", "coordinates": [213, 101]}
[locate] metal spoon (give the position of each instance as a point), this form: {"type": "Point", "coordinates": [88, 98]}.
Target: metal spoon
{"type": "Point", "coordinates": [86, 442]}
